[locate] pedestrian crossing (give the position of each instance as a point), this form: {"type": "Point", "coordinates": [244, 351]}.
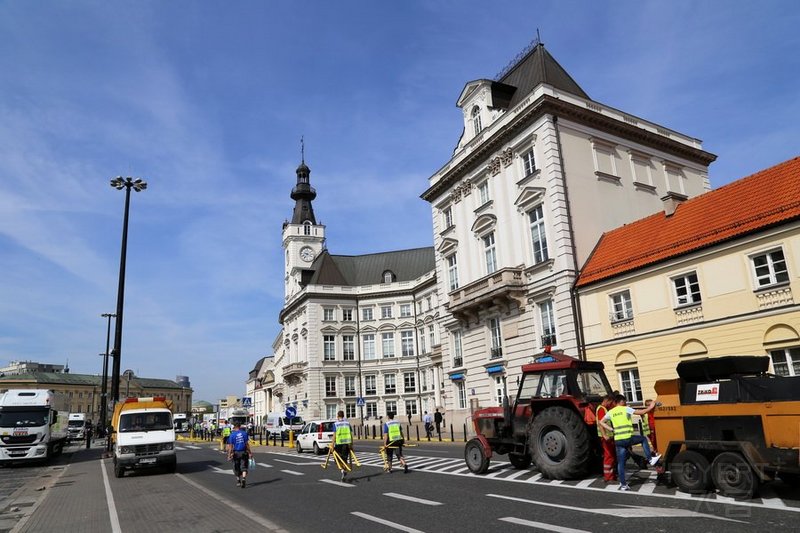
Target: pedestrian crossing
{"type": "Point", "coordinates": [642, 482]}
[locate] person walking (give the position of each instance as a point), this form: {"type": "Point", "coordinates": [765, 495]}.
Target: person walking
{"type": "Point", "coordinates": [226, 433]}
{"type": "Point", "coordinates": [607, 440]}
{"type": "Point", "coordinates": [428, 420]}
{"type": "Point", "coordinates": [393, 441]}
{"type": "Point", "coordinates": [622, 428]}
{"type": "Point", "coordinates": [438, 419]}
{"type": "Point", "coordinates": [342, 441]}
{"type": "Point", "coordinates": [239, 452]}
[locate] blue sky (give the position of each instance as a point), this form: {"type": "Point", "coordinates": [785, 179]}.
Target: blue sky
{"type": "Point", "coordinates": [207, 101]}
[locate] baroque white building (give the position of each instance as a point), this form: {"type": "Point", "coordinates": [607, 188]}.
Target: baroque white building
{"type": "Point", "coordinates": [359, 333]}
{"type": "Point", "coordinates": [539, 173]}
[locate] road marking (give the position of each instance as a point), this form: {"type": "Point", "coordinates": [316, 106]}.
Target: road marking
{"type": "Point", "coordinates": [585, 483]}
{"type": "Point", "coordinates": [534, 479]}
{"type": "Point", "coordinates": [292, 472]}
{"type": "Point", "coordinates": [623, 511]}
{"type": "Point", "coordinates": [392, 525]}
{"type": "Point", "coordinates": [338, 483]}
{"type": "Point", "coordinates": [112, 508]}
{"type": "Point", "coordinates": [179, 448]}
{"type": "Point", "coordinates": [411, 498]}
{"type": "Point", "coordinates": [517, 474]}
{"type": "Point", "coordinates": [542, 525]}
{"type": "Point", "coordinates": [646, 488]}
{"type": "Point", "coordinates": [195, 447]}
{"type": "Point", "coordinates": [295, 463]}
{"type": "Point", "coordinates": [265, 465]}
{"type": "Point", "coordinates": [219, 470]}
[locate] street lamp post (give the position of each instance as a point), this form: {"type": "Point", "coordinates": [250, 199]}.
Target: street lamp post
{"type": "Point", "coordinates": [104, 385]}
{"type": "Point", "coordinates": [137, 185]}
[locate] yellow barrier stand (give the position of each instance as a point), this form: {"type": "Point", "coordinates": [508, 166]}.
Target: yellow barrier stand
{"type": "Point", "coordinates": [291, 438]}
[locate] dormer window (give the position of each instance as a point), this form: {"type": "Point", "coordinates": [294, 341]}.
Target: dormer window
{"type": "Point", "coordinates": [388, 276]}
{"type": "Point", "coordinates": [476, 120]}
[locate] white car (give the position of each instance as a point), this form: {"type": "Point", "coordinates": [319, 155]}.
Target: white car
{"type": "Point", "coordinates": [316, 435]}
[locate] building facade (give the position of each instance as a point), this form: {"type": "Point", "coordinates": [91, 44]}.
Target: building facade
{"type": "Point", "coordinates": [359, 333]}
{"type": "Point", "coordinates": [540, 171]}
{"type": "Point", "coordinates": [714, 277]}
{"type": "Point", "coordinates": [83, 390]}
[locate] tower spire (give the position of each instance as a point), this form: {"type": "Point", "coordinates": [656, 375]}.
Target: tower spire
{"type": "Point", "coordinates": [303, 193]}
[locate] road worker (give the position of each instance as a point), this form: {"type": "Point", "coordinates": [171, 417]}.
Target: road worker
{"type": "Point", "coordinates": [622, 428]}
{"type": "Point", "coordinates": [393, 441]}
{"type": "Point", "coordinates": [607, 440]}
{"type": "Point", "coordinates": [343, 441]}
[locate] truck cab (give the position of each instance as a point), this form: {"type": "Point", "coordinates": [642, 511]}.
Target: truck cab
{"type": "Point", "coordinates": [144, 435]}
{"type": "Point", "coordinates": [33, 425]}
{"type": "Point", "coordinates": [76, 426]}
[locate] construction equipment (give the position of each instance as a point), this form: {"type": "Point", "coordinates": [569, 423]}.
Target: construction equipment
{"type": "Point", "coordinates": [341, 463]}
{"type": "Point", "coordinates": [729, 424]}
{"type": "Point", "coordinates": [551, 422]}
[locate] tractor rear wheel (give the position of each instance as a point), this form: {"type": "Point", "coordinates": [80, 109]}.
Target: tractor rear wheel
{"type": "Point", "coordinates": [733, 476]}
{"type": "Point", "coordinates": [560, 443]}
{"type": "Point", "coordinates": [690, 470]}
{"type": "Point", "coordinates": [520, 462]}
{"type": "Point", "coordinates": [475, 457]}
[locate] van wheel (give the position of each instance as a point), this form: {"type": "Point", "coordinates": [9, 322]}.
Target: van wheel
{"type": "Point", "coordinates": [298, 447]}
{"type": "Point", "coordinates": [118, 471]}
{"type": "Point", "coordinates": [690, 470]}
{"type": "Point", "coordinates": [733, 476]}
{"type": "Point", "coordinates": [317, 451]}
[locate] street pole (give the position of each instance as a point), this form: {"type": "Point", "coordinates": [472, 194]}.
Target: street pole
{"type": "Point", "coordinates": [104, 385]}
{"type": "Point", "coordinates": [137, 185]}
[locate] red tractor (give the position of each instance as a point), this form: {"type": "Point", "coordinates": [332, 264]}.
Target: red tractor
{"type": "Point", "coordinates": [551, 423]}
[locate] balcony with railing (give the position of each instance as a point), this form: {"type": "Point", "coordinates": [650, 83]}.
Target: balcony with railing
{"type": "Point", "coordinates": [503, 288]}
{"type": "Point", "coordinates": [293, 371]}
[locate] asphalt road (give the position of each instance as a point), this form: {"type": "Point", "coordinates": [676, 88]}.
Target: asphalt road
{"type": "Point", "coordinates": [290, 492]}
{"type": "Point", "coordinates": [439, 494]}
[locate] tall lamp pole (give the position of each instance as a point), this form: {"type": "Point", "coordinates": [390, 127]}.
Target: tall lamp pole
{"type": "Point", "coordinates": [104, 385]}
{"type": "Point", "coordinates": [137, 185]}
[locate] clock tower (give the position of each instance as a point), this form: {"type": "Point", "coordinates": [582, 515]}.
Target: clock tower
{"type": "Point", "coordinates": [303, 238]}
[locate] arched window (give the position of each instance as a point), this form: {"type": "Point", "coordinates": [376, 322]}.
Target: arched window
{"type": "Point", "coordinates": [388, 276]}
{"type": "Point", "coordinates": [307, 228]}
{"type": "Point", "coordinates": [476, 120]}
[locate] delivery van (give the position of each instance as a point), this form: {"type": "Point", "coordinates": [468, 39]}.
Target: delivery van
{"type": "Point", "coordinates": [143, 435]}
{"type": "Point", "coordinates": [278, 424]}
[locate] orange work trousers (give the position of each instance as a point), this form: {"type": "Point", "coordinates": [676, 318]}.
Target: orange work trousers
{"type": "Point", "coordinates": [609, 460]}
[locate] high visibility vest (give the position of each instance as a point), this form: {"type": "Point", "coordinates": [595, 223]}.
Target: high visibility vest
{"type": "Point", "coordinates": [342, 433]}
{"type": "Point", "coordinates": [226, 431]}
{"type": "Point", "coordinates": [646, 425]}
{"type": "Point", "coordinates": [621, 420]}
{"type": "Point", "coordinates": [599, 416]}
{"type": "Point", "coordinates": [393, 428]}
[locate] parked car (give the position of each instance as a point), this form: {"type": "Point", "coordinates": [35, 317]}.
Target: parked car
{"type": "Point", "coordinates": [316, 435]}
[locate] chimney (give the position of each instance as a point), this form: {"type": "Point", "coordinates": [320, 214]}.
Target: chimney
{"type": "Point", "coordinates": [671, 201]}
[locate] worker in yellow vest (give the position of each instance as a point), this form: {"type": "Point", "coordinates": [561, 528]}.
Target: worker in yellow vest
{"type": "Point", "coordinates": [621, 426]}
{"type": "Point", "coordinates": [393, 441]}
{"type": "Point", "coordinates": [606, 440]}
{"type": "Point", "coordinates": [226, 432]}
{"type": "Point", "coordinates": [342, 440]}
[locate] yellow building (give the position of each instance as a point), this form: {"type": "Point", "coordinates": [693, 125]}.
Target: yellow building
{"type": "Point", "coordinates": [710, 276]}
{"type": "Point", "coordinates": [83, 390]}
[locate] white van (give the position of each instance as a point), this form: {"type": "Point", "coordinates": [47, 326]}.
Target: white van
{"type": "Point", "coordinates": [277, 424]}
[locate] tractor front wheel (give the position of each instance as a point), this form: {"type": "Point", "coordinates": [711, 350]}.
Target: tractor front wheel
{"type": "Point", "coordinates": [560, 443]}
{"type": "Point", "coordinates": [475, 457]}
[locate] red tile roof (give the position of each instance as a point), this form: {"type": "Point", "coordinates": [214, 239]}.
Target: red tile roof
{"type": "Point", "coordinates": [764, 199]}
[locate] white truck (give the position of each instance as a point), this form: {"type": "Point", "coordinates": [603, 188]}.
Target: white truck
{"type": "Point", "coordinates": [144, 435]}
{"type": "Point", "coordinates": [76, 427]}
{"type": "Point", "coordinates": [33, 425]}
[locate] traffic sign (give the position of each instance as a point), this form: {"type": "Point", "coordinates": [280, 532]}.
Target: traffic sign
{"type": "Point", "coordinates": [247, 401]}
{"type": "Point", "coordinates": [360, 402]}
{"type": "Point", "coordinates": [291, 411]}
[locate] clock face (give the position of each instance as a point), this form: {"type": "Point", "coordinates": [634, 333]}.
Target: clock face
{"type": "Point", "coordinates": [306, 254]}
